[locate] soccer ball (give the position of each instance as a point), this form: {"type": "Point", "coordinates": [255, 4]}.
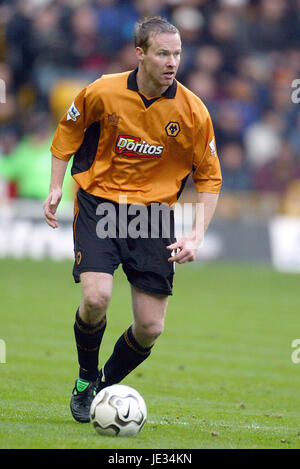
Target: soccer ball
{"type": "Point", "coordinates": [118, 410]}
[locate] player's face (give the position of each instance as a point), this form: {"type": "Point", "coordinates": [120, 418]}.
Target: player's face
{"type": "Point", "coordinates": [161, 60]}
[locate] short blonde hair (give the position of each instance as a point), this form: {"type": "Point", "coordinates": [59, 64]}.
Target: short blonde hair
{"type": "Point", "coordinates": [154, 24]}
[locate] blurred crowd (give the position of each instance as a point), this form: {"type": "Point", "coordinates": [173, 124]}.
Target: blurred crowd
{"type": "Point", "coordinates": [241, 57]}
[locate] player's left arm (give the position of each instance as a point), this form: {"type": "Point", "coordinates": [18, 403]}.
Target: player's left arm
{"type": "Point", "coordinates": [207, 179]}
{"type": "Point", "coordinates": [187, 247]}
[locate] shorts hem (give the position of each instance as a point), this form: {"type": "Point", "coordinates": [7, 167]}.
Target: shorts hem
{"type": "Point", "coordinates": [91, 269]}
{"type": "Point", "coordinates": [159, 291]}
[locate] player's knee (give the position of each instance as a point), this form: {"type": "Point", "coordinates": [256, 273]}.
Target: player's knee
{"type": "Point", "coordinates": [151, 330]}
{"type": "Point", "coordinates": [96, 303]}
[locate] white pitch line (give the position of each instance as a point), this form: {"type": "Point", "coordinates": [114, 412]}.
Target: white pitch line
{"type": "Point", "coordinates": [164, 422]}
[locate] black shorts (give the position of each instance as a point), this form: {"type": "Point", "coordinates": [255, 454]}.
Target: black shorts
{"type": "Point", "coordinates": [106, 235]}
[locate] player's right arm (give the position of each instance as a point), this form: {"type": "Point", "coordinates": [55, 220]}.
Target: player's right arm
{"type": "Point", "coordinates": [58, 171]}
{"type": "Point", "coordinates": [67, 139]}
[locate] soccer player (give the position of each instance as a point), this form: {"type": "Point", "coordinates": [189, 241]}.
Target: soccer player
{"type": "Point", "coordinates": [135, 136]}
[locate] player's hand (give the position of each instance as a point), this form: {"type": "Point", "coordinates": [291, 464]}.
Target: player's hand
{"type": "Point", "coordinates": [185, 250]}
{"type": "Point", "coordinates": [50, 206]}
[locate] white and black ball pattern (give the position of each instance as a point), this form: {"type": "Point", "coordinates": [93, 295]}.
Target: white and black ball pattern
{"type": "Point", "coordinates": [118, 410]}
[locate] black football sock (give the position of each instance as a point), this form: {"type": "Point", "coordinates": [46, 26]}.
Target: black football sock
{"type": "Point", "coordinates": [88, 340]}
{"type": "Point", "coordinates": [126, 356]}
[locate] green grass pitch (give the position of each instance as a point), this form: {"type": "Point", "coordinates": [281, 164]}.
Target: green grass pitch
{"type": "Point", "coordinates": [221, 375]}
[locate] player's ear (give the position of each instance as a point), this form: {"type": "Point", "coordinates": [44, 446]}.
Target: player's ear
{"type": "Point", "coordinates": [139, 53]}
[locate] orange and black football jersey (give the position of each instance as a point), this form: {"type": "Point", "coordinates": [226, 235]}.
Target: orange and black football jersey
{"type": "Point", "coordinates": [127, 144]}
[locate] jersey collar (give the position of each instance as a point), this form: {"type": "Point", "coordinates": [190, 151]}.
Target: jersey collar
{"type": "Point", "coordinates": [132, 85]}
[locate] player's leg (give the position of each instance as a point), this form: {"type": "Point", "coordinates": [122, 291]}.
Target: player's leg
{"type": "Point", "coordinates": [90, 320]}
{"type": "Point", "coordinates": [149, 312]}
{"type": "Point", "coordinates": [89, 327]}
{"type": "Point", "coordinates": [96, 259]}
{"type": "Point", "coordinates": [145, 263]}
{"type": "Point", "coordinates": [135, 345]}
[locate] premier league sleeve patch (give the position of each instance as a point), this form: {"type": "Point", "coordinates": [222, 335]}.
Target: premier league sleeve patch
{"type": "Point", "coordinates": [212, 146]}
{"type": "Point", "coordinates": [72, 113]}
